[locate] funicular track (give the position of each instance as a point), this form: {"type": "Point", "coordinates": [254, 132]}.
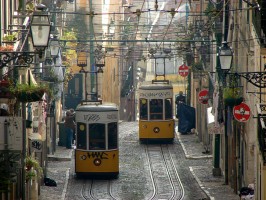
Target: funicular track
{"type": "Point", "coordinates": [103, 190]}
{"type": "Point", "coordinates": [164, 177]}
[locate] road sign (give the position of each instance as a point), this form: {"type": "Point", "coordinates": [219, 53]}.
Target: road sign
{"type": "Point", "coordinates": [183, 70]}
{"type": "Point", "coordinates": [241, 112]}
{"type": "Point", "coordinates": [203, 96]}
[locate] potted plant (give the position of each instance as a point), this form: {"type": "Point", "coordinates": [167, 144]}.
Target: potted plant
{"type": "Point", "coordinates": [29, 92]}
{"type": "Point", "coordinates": [232, 96]}
{"type": "Point", "coordinates": [32, 164]}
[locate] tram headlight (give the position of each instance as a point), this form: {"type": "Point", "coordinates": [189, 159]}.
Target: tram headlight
{"type": "Point", "coordinates": [144, 126]}
{"type": "Point", "coordinates": [156, 130]}
{"type": "Point", "coordinates": [97, 162]}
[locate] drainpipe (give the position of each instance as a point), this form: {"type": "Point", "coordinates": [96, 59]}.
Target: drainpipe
{"type": "Point", "coordinates": [225, 32]}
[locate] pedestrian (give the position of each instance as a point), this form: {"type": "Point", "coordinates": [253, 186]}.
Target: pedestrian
{"type": "Point", "coordinates": [179, 100]}
{"type": "Point", "coordinates": [74, 131]}
{"type": "Point", "coordinates": [69, 128]}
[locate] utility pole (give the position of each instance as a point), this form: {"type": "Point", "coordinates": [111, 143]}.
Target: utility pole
{"type": "Point", "coordinates": [92, 63]}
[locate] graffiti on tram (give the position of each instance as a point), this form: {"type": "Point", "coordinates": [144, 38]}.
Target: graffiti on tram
{"type": "Point", "coordinates": [100, 155]}
{"type": "Point", "coordinates": [97, 117]}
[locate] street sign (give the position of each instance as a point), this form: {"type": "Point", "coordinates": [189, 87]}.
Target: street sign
{"type": "Point", "coordinates": [203, 96]}
{"type": "Point", "coordinates": [241, 112]}
{"type": "Point", "coordinates": [183, 70]}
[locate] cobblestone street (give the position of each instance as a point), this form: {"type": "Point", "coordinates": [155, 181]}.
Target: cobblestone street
{"type": "Point", "coordinates": [194, 169]}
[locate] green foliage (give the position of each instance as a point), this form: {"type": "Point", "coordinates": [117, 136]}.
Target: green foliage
{"type": "Point", "coordinates": [232, 96]}
{"type": "Point", "coordinates": [10, 37]}
{"type": "Point", "coordinates": [78, 26]}
{"type": "Point", "coordinates": [8, 169]}
{"type": "Point", "coordinates": [233, 92]}
{"type": "Point", "coordinates": [211, 11]}
{"type": "Point", "coordinates": [29, 92]}
{"type": "Point", "coordinates": [32, 164]}
{"type": "Point", "coordinates": [29, 88]}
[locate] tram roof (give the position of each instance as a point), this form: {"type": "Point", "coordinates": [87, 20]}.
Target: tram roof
{"type": "Point", "coordinates": [97, 107]}
{"type": "Point", "coordinates": [155, 86]}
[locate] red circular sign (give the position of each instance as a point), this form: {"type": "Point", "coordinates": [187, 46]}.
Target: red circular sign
{"type": "Point", "coordinates": [204, 96]}
{"type": "Point", "coordinates": [183, 70]}
{"type": "Point", "coordinates": [241, 112]}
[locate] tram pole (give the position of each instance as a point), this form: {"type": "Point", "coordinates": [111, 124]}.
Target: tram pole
{"type": "Point", "coordinates": [92, 75]}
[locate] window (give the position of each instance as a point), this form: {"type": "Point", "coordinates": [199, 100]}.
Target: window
{"type": "Point", "coordinates": [112, 135]}
{"type": "Point", "coordinates": [97, 136]}
{"type": "Point", "coordinates": [156, 109]}
{"type": "Point", "coordinates": [81, 136]}
{"type": "Point", "coordinates": [143, 109]}
{"type": "Point", "coordinates": [168, 109]}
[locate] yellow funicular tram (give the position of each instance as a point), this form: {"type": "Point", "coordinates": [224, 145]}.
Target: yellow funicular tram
{"type": "Point", "coordinates": [97, 152]}
{"type": "Point", "coordinates": [156, 120]}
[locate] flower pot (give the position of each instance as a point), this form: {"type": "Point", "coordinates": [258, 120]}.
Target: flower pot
{"type": "Point", "coordinates": [4, 89]}
{"type": "Point", "coordinates": [233, 101]}
{"type": "Point", "coordinates": [30, 96]}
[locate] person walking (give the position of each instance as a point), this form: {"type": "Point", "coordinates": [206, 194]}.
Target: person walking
{"type": "Point", "coordinates": [69, 128]}
{"type": "Point", "coordinates": [179, 100]}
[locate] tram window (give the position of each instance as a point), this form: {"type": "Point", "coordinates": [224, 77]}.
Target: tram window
{"type": "Point", "coordinates": [143, 109]}
{"type": "Point", "coordinates": [112, 135]}
{"type": "Point", "coordinates": [168, 109]}
{"type": "Point", "coordinates": [156, 109]}
{"type": "Point", "coordinates": [96, 136]}
{"type": "Point", "coordinates": [81, 135]}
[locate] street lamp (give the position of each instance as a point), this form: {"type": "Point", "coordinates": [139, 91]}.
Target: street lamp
{"type": "Point", "coordinates": [40, 32]}
{"type": "Point", "coordinates": [54, 47]}
{"type": "Point", "coordinates": [225, 54]}
{"type": "Point", "coordinates": [40, 28]}
{"type": "Point", "coordinates": [82, 60]}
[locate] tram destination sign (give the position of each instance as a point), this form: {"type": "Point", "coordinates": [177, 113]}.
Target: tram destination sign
{"type": "Point", "coordinates": [155, 94]}
{"type": "Point", "coordinates": [92, 117]}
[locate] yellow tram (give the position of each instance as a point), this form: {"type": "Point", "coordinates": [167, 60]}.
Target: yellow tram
{"type": "Point", "coordinates": [156, 120]}
{"type": "Point", "coordinates": [97, 150]}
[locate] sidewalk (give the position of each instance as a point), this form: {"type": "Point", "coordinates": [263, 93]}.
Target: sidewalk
{"type": "Point", "coordinates": [58, 170]}
{"type": "Point", "coordinates": [213, 186]}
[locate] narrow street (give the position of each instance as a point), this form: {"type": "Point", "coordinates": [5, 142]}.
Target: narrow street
{"type": "Point", "coordinates": [147, 171]}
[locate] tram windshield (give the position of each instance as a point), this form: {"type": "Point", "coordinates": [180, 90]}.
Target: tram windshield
{"type": "Point", "coordinates": [156, 109]}
{"type": "Point", "coordinates": [112, 135]}
{"type": "Point", "coordinates": [97, 136]}
{"type": "Point", "coordinates": [81, 136]}
{"type": "Point", "coordinates": [143, 109]}
{"type": "Point", "coordinates": [168, 109]}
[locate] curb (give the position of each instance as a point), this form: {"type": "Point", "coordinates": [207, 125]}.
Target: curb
{"type": "Point", "coordinates": [201, 185]}
{"type": "Point", "coordinates": [57, 157]}
{"type": "Point", "coordinates": [66, 184]}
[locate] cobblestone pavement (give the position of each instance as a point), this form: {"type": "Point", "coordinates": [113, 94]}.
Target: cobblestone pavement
{"type": "Point", "coordinates": [193, 161]}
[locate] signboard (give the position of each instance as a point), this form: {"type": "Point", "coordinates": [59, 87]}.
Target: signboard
{"type": "Point", "coordinates": [241, 112]}
{"type": "Point", "coordinates": [11, 133]}
{"type": "Point", "coordinates": [213, 128]}
{"type": "Point", "coordinates": [183, 70]}
{"type": "Point", "coordinates": [203, 96]}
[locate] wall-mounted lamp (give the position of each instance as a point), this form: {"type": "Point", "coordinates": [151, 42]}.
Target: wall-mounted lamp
{"type": "Point", "coordinates": [40, 28]}
{"type": "Point", "coordinates": [40, 32]}
{"type": "Point", "coordinates": [54, 47]}
{"type": "Point", "coordinates": [225, 54]}
{"type": "Point", "coordinates": [255, 78]}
